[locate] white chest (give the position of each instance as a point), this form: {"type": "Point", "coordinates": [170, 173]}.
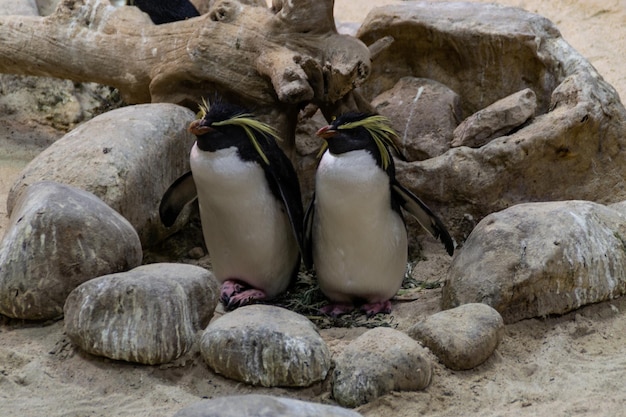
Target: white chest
{"type": "Point", "coordinates": [359, 242]}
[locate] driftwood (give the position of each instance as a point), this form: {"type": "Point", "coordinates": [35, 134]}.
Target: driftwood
{"type": "Point", "coordinates": [273, 60]}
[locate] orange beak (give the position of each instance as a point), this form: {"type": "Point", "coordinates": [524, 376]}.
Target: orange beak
{"type": "Point", "coordinates": [326, 132]}
{"type": "Point", "coordinates": [197, 128]}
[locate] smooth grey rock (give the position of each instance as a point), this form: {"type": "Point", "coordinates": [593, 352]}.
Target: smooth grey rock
{"type": "Point", "coordinates": [59, 237]}
{"type": "Point", "coordinates": [379, 361]}
{"type": "Point", "coordinates": [463, 337]}
{"type": "Point", "coordinates": [47, 7]}
{"type": "Point", "coordinates": [537, 259]}
{"type": "Point", "coordinates": [148, 315]}
{"type": "Point", "coordinates": [266, 345]}
{"type": "Point", "coordinates": [575, 147]}
{"type": "Point", "coordinates": [127, 157]}
{"type": "Point", "coordinates": [18, 7]}
{"type": "Point", "coordinates": [496, 120]}
{"type": "Point", "coordinates": [261, 406]}
{"type": "Point", "coordinates": [424, 113]}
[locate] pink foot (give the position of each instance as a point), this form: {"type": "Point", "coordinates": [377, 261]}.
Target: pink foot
{"type": "Point", "coordinates": [336, 309]}
{"type": "Point", "coordinates": [244, 298]}
{"type": "Point", "coordinates": [236, 294]}
{"type": "Point", "coordinates": [229, 288]}
{"type": "Point", "coordinates": [374, 308]}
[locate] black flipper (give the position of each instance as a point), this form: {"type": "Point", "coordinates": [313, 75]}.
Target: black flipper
{"type": "Point", "coordinates": [426, 218]}
{"type": "Point", "coordinates": [182, 192]}
{"type": "Point", "coordinates": [283, 182]}
{"type": "Point", "coordinates": [307, 253]}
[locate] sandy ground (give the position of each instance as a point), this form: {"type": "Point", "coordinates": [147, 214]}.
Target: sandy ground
{"type": "Point", "coordinates": [573, 365]}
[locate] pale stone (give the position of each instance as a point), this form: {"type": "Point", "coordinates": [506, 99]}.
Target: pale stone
{"type": "Point", "coordinates": [538, 259]}
{"type": "Point", "coordinates": [148, 315]}
{"type": "Point", "coordinates": [462, 337]}
{"type": "Point", "coordinates": [266, 345]}
{"type": "Point", "coordinates": [424, 113]}
{"type": "Point", "coordinates": [59, 237]}
{"type": "Point", "coordinates": [498, 119]}
{"type": "Point", "coordinates": [379, 361]}
{"type": "Point", "coordinates": [127, 157]}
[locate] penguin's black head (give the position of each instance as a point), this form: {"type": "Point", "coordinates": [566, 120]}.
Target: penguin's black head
{"type": "Point", "coordinates": [354, 131]}
{"type": "Point", "coordinates": [224, 125]}
{"type": "Point", "coordinates": [212, 134]}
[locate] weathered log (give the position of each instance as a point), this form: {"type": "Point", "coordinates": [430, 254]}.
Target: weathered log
{"type": "Point", "coordinates": [274, 61]}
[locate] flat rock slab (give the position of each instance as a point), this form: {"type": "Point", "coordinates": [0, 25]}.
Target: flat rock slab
{"type": "Point", "coordinates": [59, 237]}
{"type": "Point", "coordinates": [463, 337]}
{"type": "Point", "coordinates": [261, 406]}
{"type": "Point", "coordinates": [127, 157]}
{"type": "Point", "coordinates": [537, 259]}
{"type": "Point", "coordinates": [486, 52]}
{"type": "Point", "coordinates": [496, 120]}
{"type": "Point", "coordinates": [379, 361]}
{"type": "Point", "coordinates": [266, 345]}
{"type": "Point", "coordinates": [148, 315]}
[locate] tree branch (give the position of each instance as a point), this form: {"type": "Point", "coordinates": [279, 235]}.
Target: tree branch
{"type": "Point", "coordinates": [274, 61]}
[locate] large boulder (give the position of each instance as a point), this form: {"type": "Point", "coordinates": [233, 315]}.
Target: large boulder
{"type": "Point", "coordinates": [127, 157]}
{"type": "Point", "coordinates": [149, 315]}
{"type": "Point", "coordinates": [575, 147]}
{"type": "Point", "coordinates": [538, 259]}
{"type": "Point", "coordinates": [58, 238]}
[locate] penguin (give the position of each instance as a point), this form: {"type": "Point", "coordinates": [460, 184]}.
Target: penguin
{"type": "Point", "coordinates": [355, 230]}
{"type": "Point", "coordinates": [166, 11]}
{"type": "Point", "coordinates": [250, 204]}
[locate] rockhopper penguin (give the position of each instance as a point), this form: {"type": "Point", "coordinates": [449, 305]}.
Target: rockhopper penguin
{"type": "Point", "coordinates": [250, 205]}
{"type": "Point", "coordinates": [354, 226]}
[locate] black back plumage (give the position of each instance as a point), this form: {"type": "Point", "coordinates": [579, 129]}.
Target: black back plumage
{"type": "Point", "coordinates": [167, 11]}
{"type": "Point", "coordinates": [372, 133]}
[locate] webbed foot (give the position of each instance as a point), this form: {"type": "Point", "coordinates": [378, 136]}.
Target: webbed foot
{"type": "Point", "coordinates": [336, 309]}
{"type": "Point", "coordinates": [237, 294]}
{"type": "Point", "coordinates": [372, 309]}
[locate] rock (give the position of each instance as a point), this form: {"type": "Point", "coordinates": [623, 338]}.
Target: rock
{"type": "Point", "coordinates": [537, 259]}
{"type": "Point", "coordinates": [485, 52]}
{"type": "Point", "coordinates": [18, 7]}
{"type": "Point", "coordinates": [379, 361]}
{"type": "Point", "coordinates": [496, 120]}
{"type": "Point", "coordinates": [463, 337]}
{"type": "Point", "coordinates": [148, 315]}
{"type": "Point", "coordinates": [127, 157]}
{"type": "Point", "coordinates": [266, 345]}
{"type": "Point", "coordinates": [59, 237]}
{"type": "Point", "coordinates": [424, 113]}
{"type": "Point", "coordinates": [261, 406]}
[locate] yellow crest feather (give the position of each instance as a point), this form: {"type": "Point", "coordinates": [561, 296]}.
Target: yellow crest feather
{"type": "Point", "coordinates": [379, 127]}
{"type": "Point", "coordinates": [248, 124]}
{"type": "Point", "coordinates": [251, 125]}
{"type": "Point", "coordinates": [204, 109]}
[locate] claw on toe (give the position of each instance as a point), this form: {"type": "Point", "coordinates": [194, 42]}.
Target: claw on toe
{"type": "Point", "coordinates": [229, 289]}
{"type": "Point", "coordinates": [372, 309]}
{"type": "Point", "coordinates": [245, 298]}
{"type": "Point", "coordinates": [237, 294]}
